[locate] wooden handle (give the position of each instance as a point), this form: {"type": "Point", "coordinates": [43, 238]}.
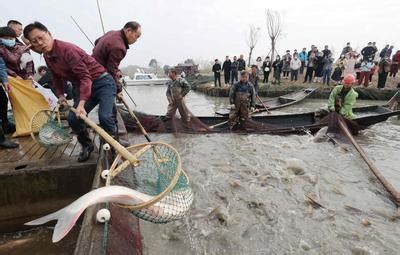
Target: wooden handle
{"type": "Point", "coordinates": [266, 108]}
{"type": "Point", "coordinates": [375, 171]}
{"type": "Point", "coordinates": [116, 145]}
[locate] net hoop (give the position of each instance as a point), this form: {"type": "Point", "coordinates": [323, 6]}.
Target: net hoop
{"type": "Point", "coordinates": [115, 169]}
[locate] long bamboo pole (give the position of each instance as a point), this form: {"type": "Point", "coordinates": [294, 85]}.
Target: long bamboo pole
{"type": "Point", "coordinates": [388, 186]}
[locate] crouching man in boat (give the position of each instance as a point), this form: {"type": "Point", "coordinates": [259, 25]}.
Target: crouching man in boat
{"type": "Point", "coordinates": [92, 84]}
{"type": "Point", "coordinates": [242, 98]}
{"type": "Point", "coordinates": [177, 89]}
{"type": "Point", "coordinates": [343, 97]}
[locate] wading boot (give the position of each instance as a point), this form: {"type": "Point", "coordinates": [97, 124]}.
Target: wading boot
{"type": "Point", "coordinates": [87, 145]}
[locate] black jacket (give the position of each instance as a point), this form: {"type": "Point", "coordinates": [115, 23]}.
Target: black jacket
{"type": "Point", "coordinates": [227, 66]}
{"type": "Point", "coordinates": [216, 67]}
{"type": "Point", "coordinates": [368, 51]}
{"type": "Point", "coordinates": [242, 64]}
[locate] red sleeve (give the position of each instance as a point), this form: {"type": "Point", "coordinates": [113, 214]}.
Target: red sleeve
{"type": "Point", "coordinates": [80, 72]}
{"type": "Point", "coordinates": [114, 59]}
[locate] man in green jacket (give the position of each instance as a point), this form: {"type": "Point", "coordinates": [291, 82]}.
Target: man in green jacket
{"type": "Point", "coordinates": [343, 97]}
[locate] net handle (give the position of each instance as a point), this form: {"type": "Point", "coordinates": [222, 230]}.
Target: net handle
{"type": "Point", "coordinates": [116, 145]}
{"type": "Point", "coordinates": [160, 196]}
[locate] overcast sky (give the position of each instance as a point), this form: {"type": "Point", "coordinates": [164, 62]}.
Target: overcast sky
{"type": "Point", "coordinates": [178, 29]}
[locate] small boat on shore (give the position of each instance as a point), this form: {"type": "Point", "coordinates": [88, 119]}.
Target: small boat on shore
{"type": "Point", "coordinates": [279, 102]}
{"type": "Point", "coordinates": [269, 124]}
{"type": "Point", "coordinates": [145, 79]}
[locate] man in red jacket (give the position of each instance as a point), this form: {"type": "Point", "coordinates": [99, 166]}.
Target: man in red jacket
{"type": "Point", "coordinates": [111, 48]}
{"type": "Point", "coordinates": [92, 84]}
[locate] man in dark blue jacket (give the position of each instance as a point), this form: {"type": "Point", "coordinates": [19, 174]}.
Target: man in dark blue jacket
{"type": "Point", "coordinates": [227, 69]}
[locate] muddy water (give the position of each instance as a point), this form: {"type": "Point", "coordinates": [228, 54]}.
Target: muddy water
{"type": "Point", "coordinates": [247, 201]}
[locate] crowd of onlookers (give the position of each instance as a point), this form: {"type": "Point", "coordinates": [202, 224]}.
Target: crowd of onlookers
{"type": "Point", "coordinates": [317, 66]}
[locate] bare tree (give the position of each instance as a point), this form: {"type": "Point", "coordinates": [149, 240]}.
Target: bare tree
{"type": "Point", "coordinates": [274, 27]}
{"type": "Point", "coordinates": [252, 40]}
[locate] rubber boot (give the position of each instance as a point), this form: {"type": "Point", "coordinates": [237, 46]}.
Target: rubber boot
{"type": "Point", "coordinates": [87, 145]}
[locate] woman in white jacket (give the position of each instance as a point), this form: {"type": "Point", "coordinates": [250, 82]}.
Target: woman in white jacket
{"type": "Point", "coordinates": [295, 65]}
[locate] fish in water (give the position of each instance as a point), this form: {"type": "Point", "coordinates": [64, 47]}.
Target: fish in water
{"type": "Point", "coordinates": [67, 217]}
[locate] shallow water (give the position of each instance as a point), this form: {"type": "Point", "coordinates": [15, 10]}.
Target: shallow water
{"type": "Point", "coordinates": [262, 207]}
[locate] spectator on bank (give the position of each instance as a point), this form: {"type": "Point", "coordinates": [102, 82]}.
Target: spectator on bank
{"type": "Point", "coordinates": [326, 52]}
{"type": "Point", "coordinates": [242, 63]}
{"type": "Point", "coordinates": [234, 70]}
{"type": "Point", "coordinates": [259, 64]}
{"type": "Point", "coordinates": [254, 78]}
{"type": "Point", "coordinates": [389, 52]}
{"type": "Point", "coordinates": [368, 52]}
{"type": "Point", "coordinates": [266, 67]}
{"type": "Point", "coordinates": [349, 64]}
{"type": "Point", "coordinates": [319, 66]}
{"type": "Point", "coordinates": [303, 58]}
{"type": "Point", "coordinates": [295, 65]}
{"type": "Point", "coordinates": [286, 64]}
{"type": "Point", "coordinates": [383, 71]}
{"type": "Point", "coordinates": [338, 71]}
{"type": "Point", "coordinates": [346, 49]}
{"type": "Point", "coordinates": [277, 65]}
{"type": "Point", "coordinates": [217, 73]}
{"type": "Point", "coordinates": [310, 64]}
{"type": "Point", "coordinates": [226, 67]}
{"type": "Point", "coordinates": [394, 68]}
{"type": "Point", "coordinates": [382, 54]}
{"type": "Point", "coordinates": [365, 71]}
{"type": "Point", "coordinates": [327, 69]}
{"type": "Point", "coordinates": [373, 70]}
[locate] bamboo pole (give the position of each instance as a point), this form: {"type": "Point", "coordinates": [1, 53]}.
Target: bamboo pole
{"type": "Point", "coordinates": [117, 146]}
{"type": "Point", "coordinates": [266, 108]}
{"type": "Point", "coordinates": [389, 187]}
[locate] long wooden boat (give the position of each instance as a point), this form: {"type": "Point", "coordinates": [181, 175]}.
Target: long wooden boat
{"type": "Point", "coordinates": [36, 181]}
{"type": "Point", "coordinates": [278, 102]}
{"type": "Point", "coordinates": [274, 124]}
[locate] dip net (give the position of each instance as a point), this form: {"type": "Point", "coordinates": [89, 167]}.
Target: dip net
{"type": "Point", "coordinates": [159, 175]}
{"type": "Point", "coordinates": [47, 129]}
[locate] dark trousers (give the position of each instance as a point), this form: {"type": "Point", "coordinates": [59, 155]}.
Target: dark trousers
{"type": "Point", "coordinates": [382, 79]}
{"type": "Point", "coordinates": [326, 74]}
{"type": "Point", "coordinates": [217, 77]}
{"type": "Point", "coordinates": [103, 94]}
{"type": "Point", "coordinates": [227, 75]}
{"type": "Point", "coordinates": [3, 106]}
{"type": "Point", "coordinates": [234, 76]}
{"type": "Point", "coordinates": [309, 74]}
{"type": "Point", "coordinates": [294, 74]}
{"type": "Point", "coordinates": [266, 75]}
{"type": "Point", "coordinates": [303, 64]}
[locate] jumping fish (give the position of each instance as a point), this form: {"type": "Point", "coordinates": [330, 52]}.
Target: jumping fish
{"type": "Point", "coordinates": [67, 216]}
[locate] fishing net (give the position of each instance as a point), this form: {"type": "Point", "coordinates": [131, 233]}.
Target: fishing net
{"type": "Point", "coordinates": [159, 175]}
{"type": "Point", "coordinates": [47, 130]}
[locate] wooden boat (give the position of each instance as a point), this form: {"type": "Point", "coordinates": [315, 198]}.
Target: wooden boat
{"type": "Point", "coordinates": [36, 181]}
{"type": "Point", "coordinates": [279, 102]}
{"type": "Point", "coordinates": [274, 124]}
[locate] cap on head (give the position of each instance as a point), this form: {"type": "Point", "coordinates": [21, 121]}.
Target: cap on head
{"type": "Point", "coordinates": [349, 79]}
